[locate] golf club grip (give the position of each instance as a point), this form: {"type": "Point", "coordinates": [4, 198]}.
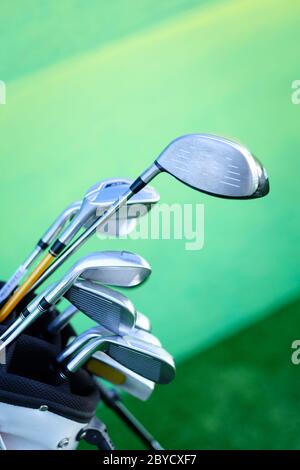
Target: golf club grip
{"type": "Point", "coordinates": [24, 288]}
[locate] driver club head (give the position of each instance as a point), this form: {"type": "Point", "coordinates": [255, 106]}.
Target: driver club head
{"type": "Point", "coordinates": [215, 165]}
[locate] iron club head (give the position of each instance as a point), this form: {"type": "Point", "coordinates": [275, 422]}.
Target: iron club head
{"type": "Point", "coordinates": [111, 309]}
{"type": "Point", "coordinates": [152, 362]}
{"type": "Point", "coordinates": [128, 270]}
{"type": "Point", "coordinates": [98, 332]}
{"type": "Point", "coordinates": [99, 197]}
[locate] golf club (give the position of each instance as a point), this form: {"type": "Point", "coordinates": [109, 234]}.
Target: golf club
{"type": "Point", "coordinates": [148, 360]}
{"type": "Point", "coordinates": [104, 305]}
{"type": "Point", "coordinates": [142, 322]}
{"type": "Point", "coordinates": [96, 200]}
{"type": "Point", "coordinates": [113, 400]}
{"type": "Point", "coordinates": [98, 332]}
{"type": "Point", "coordinates": [207, 163]}
{"type": "Point", "coordinates": [110, 188]}
{"type": "Point", "coordinates": [48, 237]}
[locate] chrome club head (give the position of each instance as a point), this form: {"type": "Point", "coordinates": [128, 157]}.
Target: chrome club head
{"type": "Point", "coordinates": [142, 322]}
{"type": "Point", "coordinates": [119, 268]}
{"type": "Point", "coordinates": [152, 362]}
{"type": "Point", "coordinates": [109, 308]}
{"type": "Point", "coordinates": [214, 165]}
{"type": "Point", "coordinates": [97, 200]}
{"type": "Point", "coordinates": [128, 270]}
{"type": "Point", "coordinates": [116, 188]}
{"type": "Point", "coordinates": [98, 332]}
{"type": "Point", "coordinates": [134, 268]}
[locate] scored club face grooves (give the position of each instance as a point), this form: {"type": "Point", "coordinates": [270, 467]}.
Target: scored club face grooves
{"type": "Point", "coordinates": [148, 366]}
{"type": "Point", "coordinates": [105, 306]}
{"type": "Point", "coordinates": [101, 310]}
{"type": "Point", "coordinates": [99, 331]}
{"type": "Point", "coordinates": [212, 164]}
{"type": "Point", "coordinates": [150, 361]}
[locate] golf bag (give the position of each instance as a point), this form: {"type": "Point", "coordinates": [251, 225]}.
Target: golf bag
{"type": "Point", "coordinates": [36, 412]}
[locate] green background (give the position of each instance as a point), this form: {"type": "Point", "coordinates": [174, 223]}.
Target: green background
{"type": "Point", "coordinates": [97, 89]}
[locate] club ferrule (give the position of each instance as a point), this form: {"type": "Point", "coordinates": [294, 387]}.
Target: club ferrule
{"type": "Point", "coordinates": [57, 248]}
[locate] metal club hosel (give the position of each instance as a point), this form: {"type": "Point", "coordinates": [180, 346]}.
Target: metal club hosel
{"type": "Point", "coordinates": [146, 176]}
{"type": "Point", "coordinates": [59, 223]}
{"type": "Point", "coordinates": [81, 340]}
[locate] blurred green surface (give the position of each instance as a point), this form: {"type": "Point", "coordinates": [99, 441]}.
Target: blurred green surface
{"type": "Point", "coordinates": [241, 394]}
{"type": "Point", "coordinates": [98, 91]}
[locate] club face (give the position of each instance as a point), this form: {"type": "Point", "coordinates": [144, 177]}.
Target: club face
{"type": "Point", "coordinates": [119, 268]}
{"type": "Point", "coordinates": [108, 308]}
{"type": "Point", "coordinates": [101, 365]}
{"type": "Point", "coordinates": [100, 331]}
{"type": "Point", "coordinates": [150, 361]}
{"type": "Point", "coordinates": [212, 164]}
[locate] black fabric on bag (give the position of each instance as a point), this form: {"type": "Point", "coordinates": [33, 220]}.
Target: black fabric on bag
{"type": "Point", "coordinates": [27, 378]}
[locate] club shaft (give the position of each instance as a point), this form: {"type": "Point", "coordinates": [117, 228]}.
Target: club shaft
{"type": "Point", "coordinates": [14, 280]}
{"type": "Point", "coordinates": [136, 186]}
{"type": "Point", "coordinates": [80, 240]}
{"type": "Point", "coordinates": [112, 399]}
{"type": "Point", "coordinates": [24, 288]}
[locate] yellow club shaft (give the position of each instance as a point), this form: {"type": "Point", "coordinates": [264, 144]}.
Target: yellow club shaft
{"type": "Point", "coordinates": [19, 294]}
